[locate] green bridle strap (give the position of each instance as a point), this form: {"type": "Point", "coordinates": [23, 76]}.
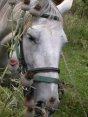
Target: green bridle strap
{"type": "Point", "coordinates": [45, 79]}
{"type": "Point", "coordinates": [17, 52]}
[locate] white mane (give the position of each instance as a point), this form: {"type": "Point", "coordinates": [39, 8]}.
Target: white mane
{"type": "Point", "coordinates": [48, 7]}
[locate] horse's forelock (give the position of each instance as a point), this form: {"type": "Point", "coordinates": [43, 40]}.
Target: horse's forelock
{"type": "Point", "coordinates": [5, 15]}
{"type": "Point", "coordinates": [2, 3]}
{"type": "Point", "coordinates": [50, 7]}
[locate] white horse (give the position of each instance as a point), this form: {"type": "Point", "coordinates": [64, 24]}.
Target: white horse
{"type": "Point", "coordinates": [42, 45]}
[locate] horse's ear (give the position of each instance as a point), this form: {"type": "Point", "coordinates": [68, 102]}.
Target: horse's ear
{"type": "Point", "coordinates": [57, 2]}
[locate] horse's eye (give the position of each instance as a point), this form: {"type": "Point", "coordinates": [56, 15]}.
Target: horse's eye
{"type": "Point", "coordinates": [31, 38]}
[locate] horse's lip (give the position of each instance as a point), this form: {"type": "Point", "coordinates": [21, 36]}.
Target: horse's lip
{"type": "Point", "coordinates": [13, 61]}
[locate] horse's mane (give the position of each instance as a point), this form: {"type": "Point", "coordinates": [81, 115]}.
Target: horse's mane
{"type": "Point", "coordinates": [5, 7]}
{"type": "Point", "coordinates": [48, 6]}
{"type": "Point", "coordinates": [5, 15]}
{"type": "Point", "coordinates": [5, 11]}
{"type": "Point", "coordinates": [2, 3]}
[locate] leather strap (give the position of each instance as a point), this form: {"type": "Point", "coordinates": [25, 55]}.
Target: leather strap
{"type": "Point", "coordinates": [51, 17]}
{"type": "Point", "coordinates": [45, 79]}
{"type": "Point", "coordinates": [30, 73]}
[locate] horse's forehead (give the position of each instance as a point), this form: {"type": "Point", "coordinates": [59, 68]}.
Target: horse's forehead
{"type": "Point", "coordinates": [38, 30]}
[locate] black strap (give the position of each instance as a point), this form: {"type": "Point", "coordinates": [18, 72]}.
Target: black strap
{"type": "Point", "coordinates": [22, 60]}
{"type": "Point", "coordinates": [44, 69]}
{"type": "Point", "coordinates": [51, 17]}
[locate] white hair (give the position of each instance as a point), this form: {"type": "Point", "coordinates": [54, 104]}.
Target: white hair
{"type": "Point", "coordinates": [47, 6]}
{"type": "Point", "coordinates": [5, 11]}
{"type": "Point", "coordinates": [50, 7]}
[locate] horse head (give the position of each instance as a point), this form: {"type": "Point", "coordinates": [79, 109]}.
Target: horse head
{"type": "Point", "coordinates": [41, 46]}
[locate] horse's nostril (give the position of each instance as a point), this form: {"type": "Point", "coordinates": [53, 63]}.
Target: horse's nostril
{"type": "Point", "coordinates": [52, 100]}
{"type": "Point", "coordinates": [40, 103]}
{"type": "Point", "coordinates": [39, 110]}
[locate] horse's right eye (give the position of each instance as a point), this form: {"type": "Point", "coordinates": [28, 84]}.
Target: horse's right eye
{"type": "Point", "coordinates": [31, 38]}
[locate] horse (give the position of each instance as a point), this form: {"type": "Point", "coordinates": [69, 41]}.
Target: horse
{"type": "Point", "coordinates": [41, 45]}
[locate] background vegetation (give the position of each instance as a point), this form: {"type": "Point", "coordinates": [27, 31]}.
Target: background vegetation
{"type": "Point", "coordinates": [74, 70]}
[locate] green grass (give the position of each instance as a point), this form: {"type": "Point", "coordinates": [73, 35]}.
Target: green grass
{"type": "Point", "coordinates": [76, 89]}
{"type": "Point", "coordinates": [76, 29]}
{"type": "Point", "coordinates": [75, 101]}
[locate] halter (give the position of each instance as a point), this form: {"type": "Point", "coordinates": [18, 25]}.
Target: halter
{"type": "Point", "coordinates": [23, 66]}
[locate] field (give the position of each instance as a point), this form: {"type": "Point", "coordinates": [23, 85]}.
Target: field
{"type": "Point", "coordinates": [74, 72]}
{"type": "Point", "coordinates": [74, 69]}
{"type": "Point", "coordinates": [75, 75]}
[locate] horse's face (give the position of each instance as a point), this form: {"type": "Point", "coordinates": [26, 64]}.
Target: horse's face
{"type": "Point", "coordinates": [42, 44]}
{"type": "Point", "coordinates": [41, 47]}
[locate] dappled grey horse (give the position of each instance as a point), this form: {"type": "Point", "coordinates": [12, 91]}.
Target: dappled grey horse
{"type": "Point", "coordinates": [41, 46]}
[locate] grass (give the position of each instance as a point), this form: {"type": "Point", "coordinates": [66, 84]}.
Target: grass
{"type": "Point", "coordinates": [75, 86]}
{"type": "Point", "coordinates": [76, 81]}
{"type": "Point", "coordinates": [75, 101]}
{"type": "Point", "coordinates": [76, 29]}
{"type": "Point", "coordinates": [76, 89]}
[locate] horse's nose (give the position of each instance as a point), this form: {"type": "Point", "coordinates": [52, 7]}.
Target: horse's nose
{"type": "Point", "coordinates": [40, 108]}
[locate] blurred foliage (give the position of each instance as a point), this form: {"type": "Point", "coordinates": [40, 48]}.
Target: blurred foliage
{"type": "Point", "coordinates": [80, 7]}
{"type": "Point", "coordinates": [76, 24]}
{"type": "Point", "coordinates": [76, 30]}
